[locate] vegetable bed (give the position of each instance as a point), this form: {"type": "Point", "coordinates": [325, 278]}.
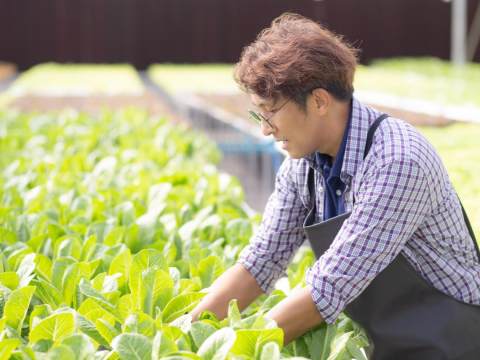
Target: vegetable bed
{"type": "Point", "coordinates": [112, 227]}
{"type": "Point", "coordinates": [78, 80]}
{"type": "Point", "coordinates": [422, 78]}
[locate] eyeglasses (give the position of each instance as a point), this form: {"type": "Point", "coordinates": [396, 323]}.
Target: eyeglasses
{"type": "Point", "coordinates": [258, 118]}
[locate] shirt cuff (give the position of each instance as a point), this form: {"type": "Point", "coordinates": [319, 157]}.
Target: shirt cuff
{"type": "Point", "coordinates": [327, 299]}
{"type": "Point", "coordinates": [265, 272]}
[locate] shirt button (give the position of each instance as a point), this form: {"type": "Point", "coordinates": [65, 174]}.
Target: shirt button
{"type": "Point", "coordinates": [320, 189]}
{"type": "Point", "coordinates": [338, 192]}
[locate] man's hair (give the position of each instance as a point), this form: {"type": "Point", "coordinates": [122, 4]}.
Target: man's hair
{"type": "Point", "coordinates": [294, 56]}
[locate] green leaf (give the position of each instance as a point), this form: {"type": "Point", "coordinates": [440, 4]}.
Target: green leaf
{"type": "Point", "coordinates": [200, 331]}
{"type": "Point", "coordinates": [156, 290]}
{"type": "Point", "coordinates": [7, 236]}
{"type": "Point", "coordinates": [126, 213]}
{"type": "Point", "coordinates": [88, 248]}
{"type": "Point", "coordinates": [26, 352]}
{"type": "Point", "coordinates": [139, 323]}
{"type": "Point", "coordinates": [209, 270]}
{"type": "Point", "coordinates": [339, 345]}
{"type": "Point", "coordinates": [42, 345]}
{"type": "Point", "coordinates": [239, 231]}
{"type": "Point", "coordinates": [39, 313]}
{"type": "Point", "coordinates": [68, 246]}
{"type": "Point", "coordinates": [182, 355]}
{"type": "Point", "coordinates": [97, 314]}
{"type": "Point", "coordinates": [48, 294]}
{"type": "Point", "coordinates": [81, 345]}
{"type": "Point", "coordinates": [162, 345]}
{"type": "Point", "coordinates": [97, 282]}
{"type": "Point", "coordinates": [183, 323]}
{"type": "Point", "coordinates": [88, 327]}
{"type": "Point", "coordinates": [322, 338]}
{"type": "Point", "coordinates": [354, 350]}
{"type": "Point", "coordinates": [218, 345]}
{"type": "Point", "coordinates": [43, 267]}
{"type": "Point", "coordinates": [60, 352]}
{"type": "Point", "coordinates": [71, 280]}
{"type": "Point", "coordinates": [54, 327]}
{"type": "Point", "coordinates": [187, 286]}
{"type": "Point", "coordinates": [58, 270]}
{"type": "Point", "coordinates": [181, 304]}
{"type": "Point", "coordinates": [125, 305]}
{"type": "Point", "coordinates": [25, 270]}
{"type": "Point", "coordinates": [3, 321]}
{"type": "Point", "coordinates": [93, 294]}
{"type": "Point", "coordinates": [37, 242]}
{"type": "Point", "coordinates": [17, 305]}
{"type": "Point", "coordinates": [234, 318]}
{"type": "Point", "coordinates": [270, 351]}
{"type": "Point", "coordinates": [9, 279]}
{"type": "Point", "coordinates": [175, 275]}
{"type": "Point", "coordinates": [7, 346]}
{"type": "Point", "coordinates": [107, 331]}
{"type": "Point", "coordinates": [121, 264]}
{"type": "Point", "coordinates": [145, 259]}
{"type": "Point", "coordinates": [133, 346]}
{"type": "Point", "coordinates": [250, 342]}
{"type": "Point", "coordinates": [299, 347]}
{"type": "Point", "coordinates": [87, 306]}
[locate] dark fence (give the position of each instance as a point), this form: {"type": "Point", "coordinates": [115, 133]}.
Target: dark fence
{"type": "Point", "coordinates": [146, 31]}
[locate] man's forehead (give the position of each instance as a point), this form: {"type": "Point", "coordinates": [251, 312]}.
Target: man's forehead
{"type": "Point", "coordinates": [260, 101]}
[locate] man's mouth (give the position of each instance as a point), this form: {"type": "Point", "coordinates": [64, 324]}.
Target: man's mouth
{"type": "Point", "coordinates": [284, 143]}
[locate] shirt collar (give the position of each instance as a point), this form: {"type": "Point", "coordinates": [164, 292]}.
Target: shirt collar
{"type": "Point", "coordinates": [361, 118]}
{"type": "Point", "coordinates": [325, 159]}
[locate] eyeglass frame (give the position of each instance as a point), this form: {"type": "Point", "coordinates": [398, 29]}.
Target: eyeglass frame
{"type": "Point", "coordinates": [258, 118]}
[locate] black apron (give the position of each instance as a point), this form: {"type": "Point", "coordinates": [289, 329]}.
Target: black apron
{"type": "Point", "coordinates": [404, 316]}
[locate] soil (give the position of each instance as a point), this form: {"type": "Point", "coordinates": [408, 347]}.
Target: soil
{"type": "Point", "coordinates": [237, 105]}
{"type": "Point", "coordinates": [93, 104]}
{"type": "Point", "coordinates": [7, 70]}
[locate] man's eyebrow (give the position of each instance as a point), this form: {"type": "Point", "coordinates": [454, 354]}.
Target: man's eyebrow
{"type": "Point", "coordinates": [263, 104]}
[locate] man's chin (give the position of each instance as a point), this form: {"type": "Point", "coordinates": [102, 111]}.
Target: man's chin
{"type": "Point", "coordinates": [295, 155]}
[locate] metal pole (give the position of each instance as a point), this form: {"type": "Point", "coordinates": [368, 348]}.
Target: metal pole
{"type": "Point", "coordinates": [474, 35]}
{"type": "Point", "coordinates": [458, 52]}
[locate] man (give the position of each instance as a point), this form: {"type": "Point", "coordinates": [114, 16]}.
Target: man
{"type": "Point", "coordinates": [400, 260]}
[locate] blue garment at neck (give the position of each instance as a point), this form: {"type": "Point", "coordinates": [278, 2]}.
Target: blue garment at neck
{"type": "Point", "coordinates": [332, 184]}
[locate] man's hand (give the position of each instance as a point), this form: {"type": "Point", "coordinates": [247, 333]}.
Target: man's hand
{"type": "Point", "coordinates": [236, 283]}
{"type": "Point", "coordinates": [296, 315]}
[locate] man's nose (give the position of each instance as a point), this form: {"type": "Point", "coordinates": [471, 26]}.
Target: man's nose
{"type": "Point", "coordinates": [267, 130]}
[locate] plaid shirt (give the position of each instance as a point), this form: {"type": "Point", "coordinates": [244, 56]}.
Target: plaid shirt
{"type": "Point", "coordinates": [404, 202]}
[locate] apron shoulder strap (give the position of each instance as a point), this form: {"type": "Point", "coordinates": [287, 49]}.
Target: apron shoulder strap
{"type": "Point", "coordinates": [470, 229]}
{"type": "Point", "coordinates": [371, 132]}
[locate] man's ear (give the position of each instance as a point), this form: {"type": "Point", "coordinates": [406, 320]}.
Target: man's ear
{"type": "Point", "coordinates": [322, 101]}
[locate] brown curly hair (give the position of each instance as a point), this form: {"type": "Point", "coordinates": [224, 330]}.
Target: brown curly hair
{"type": "Point", "coordinates": [294, 56]}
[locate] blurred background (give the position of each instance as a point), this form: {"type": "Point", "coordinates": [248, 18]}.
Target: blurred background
{"type": "Point", "coordinates": [419, 62]}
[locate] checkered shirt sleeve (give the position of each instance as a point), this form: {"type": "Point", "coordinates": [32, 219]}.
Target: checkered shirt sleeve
{"type": "Point", "coordinates": [280, 234]}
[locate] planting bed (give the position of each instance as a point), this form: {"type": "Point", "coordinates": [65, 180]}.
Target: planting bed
{"type": "Point", "coordinates": [112, 227]}
{"type": "Point", "coordinates": [92, 104]}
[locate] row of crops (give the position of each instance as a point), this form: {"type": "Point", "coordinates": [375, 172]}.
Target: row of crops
{"type": "Point", "coordinates": [112, 228]}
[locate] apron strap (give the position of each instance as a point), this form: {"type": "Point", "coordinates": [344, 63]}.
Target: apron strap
{"type": "Point", "coordinates": [469, 227]}
{"type": "Point", "coordinates": [371, 132]}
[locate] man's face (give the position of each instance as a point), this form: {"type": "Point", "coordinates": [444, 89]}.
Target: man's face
{"type": "Point", "coordinates": [300, 133]}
